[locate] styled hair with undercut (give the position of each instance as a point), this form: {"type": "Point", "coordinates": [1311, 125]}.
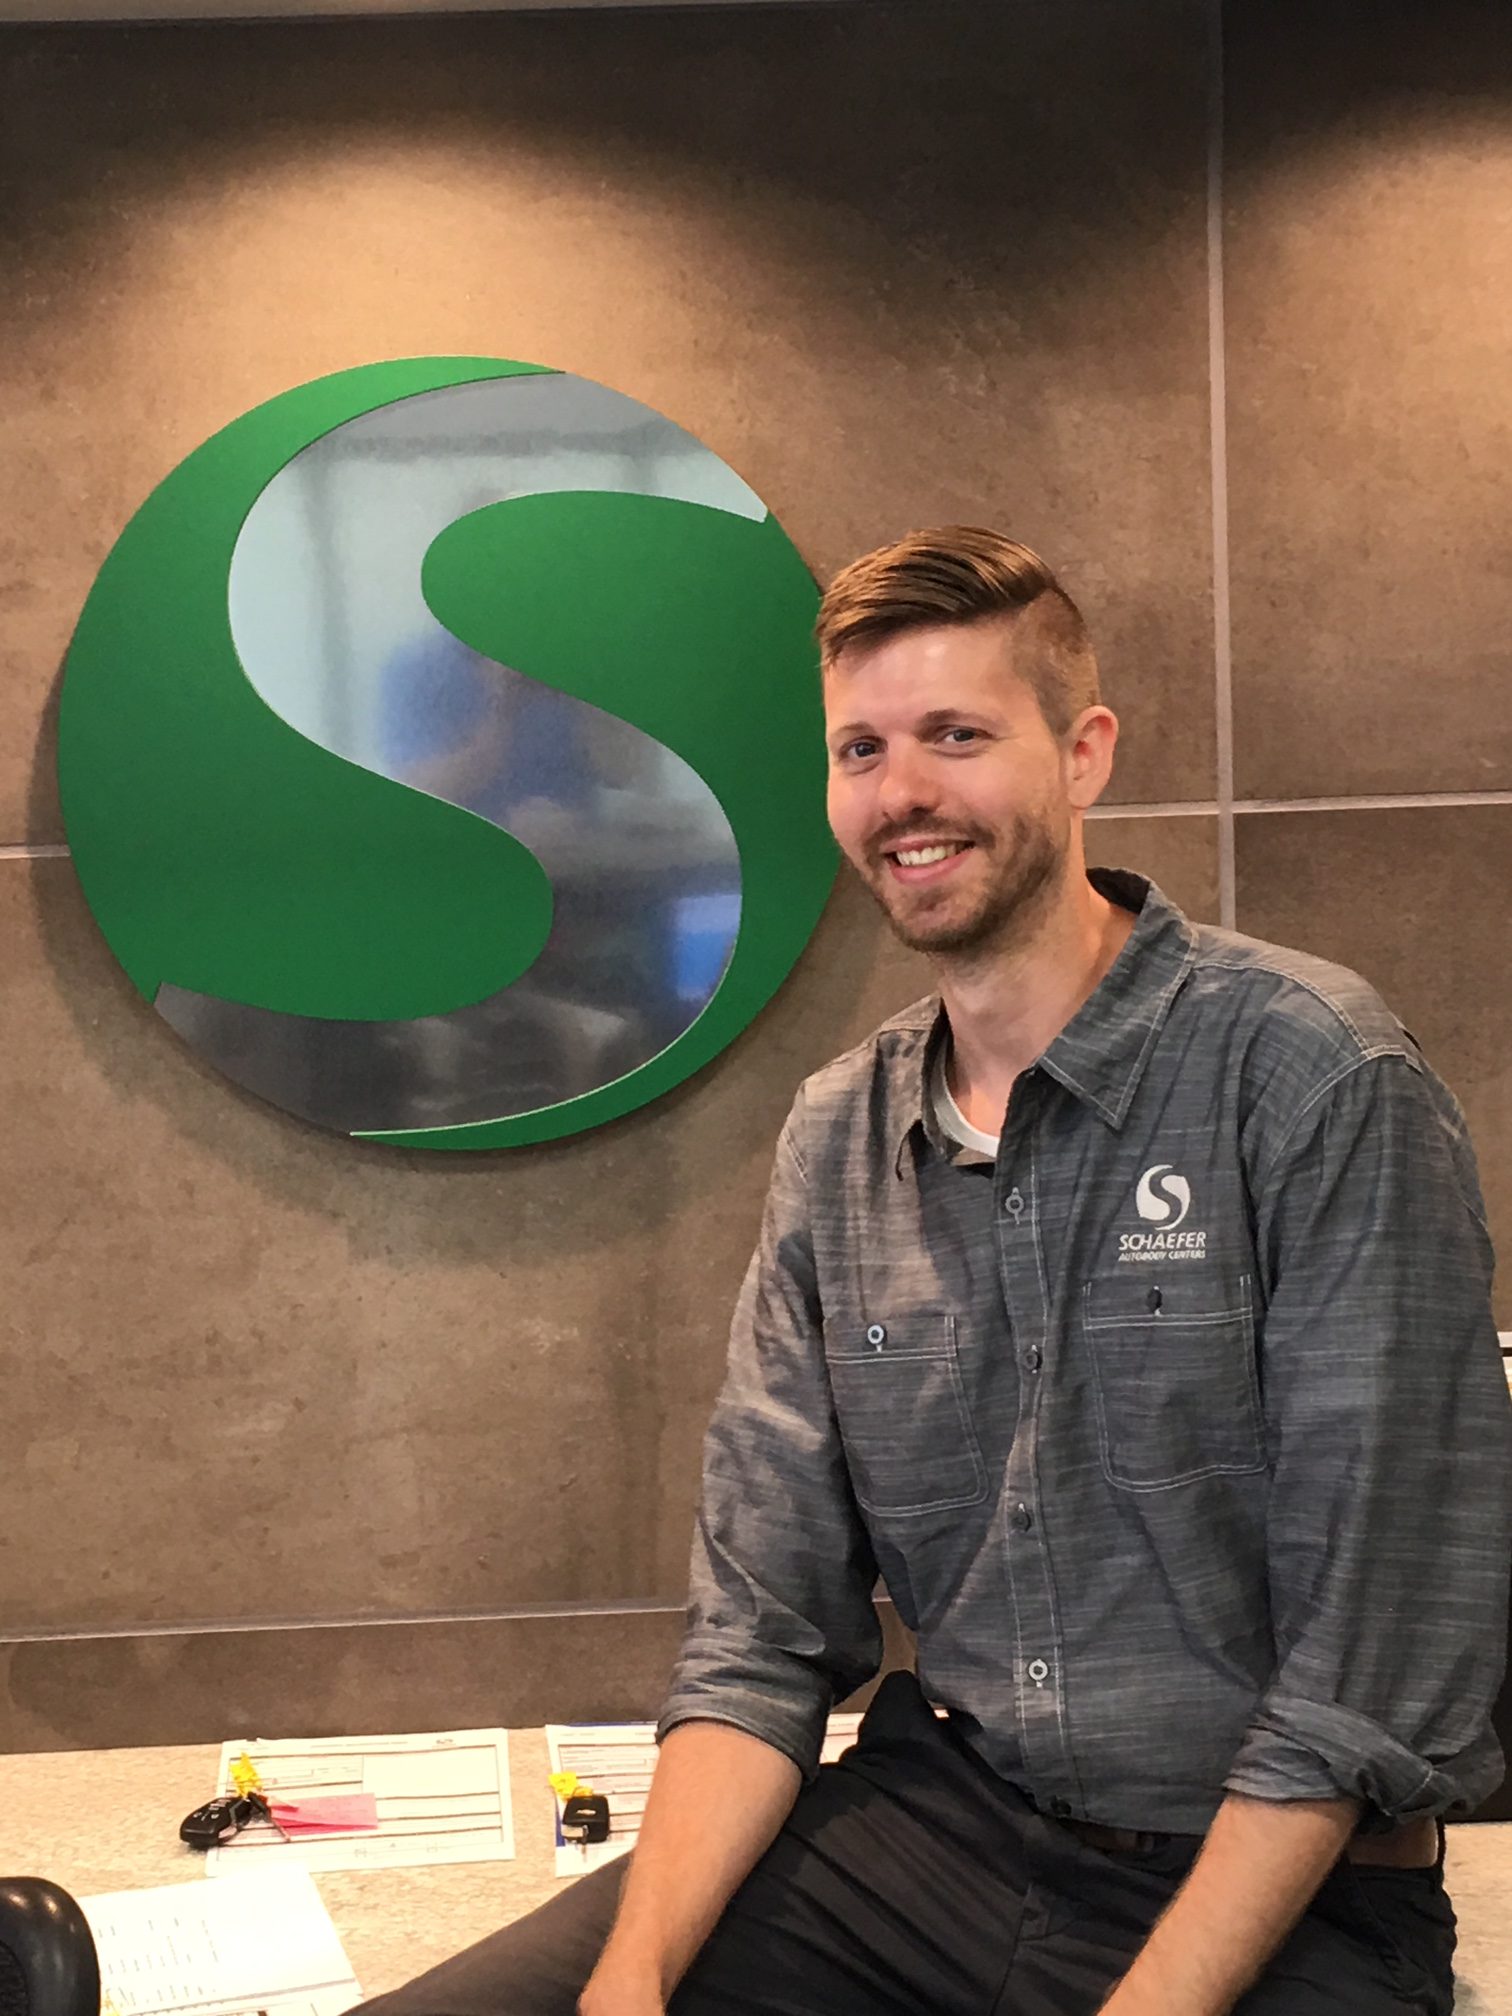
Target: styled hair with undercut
{"type": "Point", "coordinates": [967, 574]}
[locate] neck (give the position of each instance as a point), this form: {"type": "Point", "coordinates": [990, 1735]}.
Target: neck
{"type": "Point", "coordinates": [1007, 1003]}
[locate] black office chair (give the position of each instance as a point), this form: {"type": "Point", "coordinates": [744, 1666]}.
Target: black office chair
{"type": "Point", "coordinates": [48, 1965]}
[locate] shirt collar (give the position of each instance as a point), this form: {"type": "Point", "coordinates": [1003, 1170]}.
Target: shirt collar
{"type": "Point", "coordinates": [1101, 1054]}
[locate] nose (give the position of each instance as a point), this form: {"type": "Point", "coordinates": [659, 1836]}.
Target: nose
{"type": "Point", "coordinates": [907, 784]}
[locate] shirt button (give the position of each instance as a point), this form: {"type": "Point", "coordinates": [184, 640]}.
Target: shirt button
{"type": "Point", "coordinates": [1038, 1670]}
{"type": "Point", "coordinates": [1013, 1205]}
{"type": "Point", "coordinates": [876, 1335]}
{"type": "Point", "coordinates": [1022, 1520]}
{"type": "Point", "coordinates": [1061, 1808]}
{"type": "Point", "coordinates": [1032, 1360]}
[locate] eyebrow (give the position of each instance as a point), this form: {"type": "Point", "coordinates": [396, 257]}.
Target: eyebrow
{"type": "Point", "coordinates": [937, 717]}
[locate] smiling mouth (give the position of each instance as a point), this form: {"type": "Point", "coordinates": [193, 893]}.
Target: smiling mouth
{"type": "Point", "coordinates": [927, 854]}
{"type": "Point", "coordinates": [924, 861]}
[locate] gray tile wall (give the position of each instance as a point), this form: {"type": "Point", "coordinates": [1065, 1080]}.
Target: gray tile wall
{"type": "Point", "coordinates": [384, 1437]}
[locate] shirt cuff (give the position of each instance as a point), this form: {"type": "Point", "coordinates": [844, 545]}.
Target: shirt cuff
{"type": "Point", "coordinates": [793, 1727]}
{"type": "Point", "coordinates": [1301, 1749]}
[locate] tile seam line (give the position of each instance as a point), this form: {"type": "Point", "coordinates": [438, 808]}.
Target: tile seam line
{"type": "Point", "coordinates": [1173, 808]}
{"type": "Point", "coordinates": [1223, 683]}
{"type": "Point", "coordinates": [1386, 801]}
{"type": "Point", "coordinates": [1366, 801]}
{"type": "Point", "coordinates": [240, 1627]}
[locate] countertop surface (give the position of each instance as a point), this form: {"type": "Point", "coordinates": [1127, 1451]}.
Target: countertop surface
{"type": "Point", "coordinates": [108, 1820]}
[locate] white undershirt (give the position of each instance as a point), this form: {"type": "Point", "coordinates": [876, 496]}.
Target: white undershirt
{"type": "Point", "coordinates": [952, 1120]}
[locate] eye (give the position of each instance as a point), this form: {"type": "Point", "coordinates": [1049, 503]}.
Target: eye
{"type": "Point", "coordinates": [859, 751]}
{"type": "Point", "coordinates": [960, 737]}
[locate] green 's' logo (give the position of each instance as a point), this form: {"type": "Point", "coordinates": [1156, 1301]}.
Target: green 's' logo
{"type": "Point", "coordinates": [441, 753]}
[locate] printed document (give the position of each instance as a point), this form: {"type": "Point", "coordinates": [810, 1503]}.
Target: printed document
{"type": "Point", "coordinates": [440, 1798]}
{"type": "Point", "coordinates": [617, 1759]}
{"type": "Point", "coordinates": [261, 1944]}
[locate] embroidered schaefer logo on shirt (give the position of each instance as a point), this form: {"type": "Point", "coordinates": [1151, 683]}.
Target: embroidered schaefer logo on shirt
{"type": "Point", "coordinates": [1162, 1199]}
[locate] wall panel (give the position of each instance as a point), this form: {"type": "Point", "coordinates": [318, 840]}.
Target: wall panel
{"type": "Point", "coordinates": [1415, 900]}
{"type": "Point", "coordinates": [1368, 269]}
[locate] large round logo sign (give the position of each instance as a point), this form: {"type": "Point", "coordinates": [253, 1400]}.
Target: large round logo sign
{"type": "Point", "coordinates": [441, 753]}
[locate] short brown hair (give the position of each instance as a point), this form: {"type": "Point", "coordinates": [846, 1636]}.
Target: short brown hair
{"type": "Point", "coordinates": [967, 574]}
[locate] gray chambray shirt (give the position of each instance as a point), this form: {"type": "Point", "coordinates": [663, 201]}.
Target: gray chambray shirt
{"type": "Point", "coordinates": [1178, 1433]}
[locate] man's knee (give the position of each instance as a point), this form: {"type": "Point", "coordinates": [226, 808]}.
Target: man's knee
{"type": "Point", "coordinates": [536, 1966]}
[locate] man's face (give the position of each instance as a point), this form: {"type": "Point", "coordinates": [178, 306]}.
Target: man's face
{"type": "Point", "coordinates": [947, 789]}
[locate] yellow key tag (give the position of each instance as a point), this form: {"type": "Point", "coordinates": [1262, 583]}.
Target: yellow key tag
{"type": "Point", "coordinates": [245, 1776]}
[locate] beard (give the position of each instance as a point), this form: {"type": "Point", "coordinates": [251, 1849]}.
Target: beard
{"type": "Point", "coordinates": [1030, 862]}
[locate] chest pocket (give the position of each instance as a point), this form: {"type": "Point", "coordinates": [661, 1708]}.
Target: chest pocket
{"type": "Point", "coordinates": [901, 1403]}
{"type": "Point", "coordinates": [1174, 1366]}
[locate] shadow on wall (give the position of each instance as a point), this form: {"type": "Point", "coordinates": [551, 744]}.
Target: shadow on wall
{"type": "Point", "coordinates": [806, 101]}
{"type": "Point", "coordinates": [918, 125]}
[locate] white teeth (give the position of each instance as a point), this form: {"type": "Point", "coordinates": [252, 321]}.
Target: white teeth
{"type": "Point", "coordinates": [921, 857]}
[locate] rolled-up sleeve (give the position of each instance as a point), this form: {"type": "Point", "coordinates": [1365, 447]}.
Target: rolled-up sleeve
{"type": "Point", "coordinates": [1389, 1531]}
{"type": "Point", "coordinates": [780, 1614]}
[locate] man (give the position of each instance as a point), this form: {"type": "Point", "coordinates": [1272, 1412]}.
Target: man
{"type": "Point", "coordinates": [1126, 1309]}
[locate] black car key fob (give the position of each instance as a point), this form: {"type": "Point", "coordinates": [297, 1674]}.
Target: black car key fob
{"type": "Point", "coordinates": [207, 1826]}
{"type": "Point", "coordinates": [585, 1817]}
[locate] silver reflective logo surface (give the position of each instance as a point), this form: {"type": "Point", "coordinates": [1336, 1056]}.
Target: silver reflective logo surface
{"type": "Point", "coordinates": [333, 630]}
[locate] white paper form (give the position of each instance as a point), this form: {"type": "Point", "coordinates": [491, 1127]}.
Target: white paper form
{"type": "Point", "coordinates": [441, 1798]}
{"type": "Point", "coordinates": [617, 1759]}
{"type": "Point", "coordinates": [261, 1944]}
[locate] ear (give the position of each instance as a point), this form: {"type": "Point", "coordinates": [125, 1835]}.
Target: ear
{"type": "Point", "coordinates": [1089, 756]}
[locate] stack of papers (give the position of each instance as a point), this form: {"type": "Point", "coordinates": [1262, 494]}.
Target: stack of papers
{"type": "Point", "coordinates": [260, 1945]}
{"type": "Point", "coordinates": [436, 1799]}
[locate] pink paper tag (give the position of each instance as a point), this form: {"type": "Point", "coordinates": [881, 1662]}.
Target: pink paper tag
{"type": "Point", "coordinates": [346, 1815]}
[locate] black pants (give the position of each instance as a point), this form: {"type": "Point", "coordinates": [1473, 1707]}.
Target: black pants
{"type": "Point", "coordinates": [910, 1881]}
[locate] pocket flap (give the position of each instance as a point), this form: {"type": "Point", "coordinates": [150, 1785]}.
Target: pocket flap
{"type": "Point", "coordinates": [1140, 1295]}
